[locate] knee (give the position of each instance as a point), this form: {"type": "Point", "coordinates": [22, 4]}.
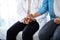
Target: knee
{"type": "Point", "coordinates": [34, 22]}
{"type": "Point", "coordinates": [9, 31]}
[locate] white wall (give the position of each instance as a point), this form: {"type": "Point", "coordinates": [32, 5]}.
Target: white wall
{"type": "Point", "coordinates": [8, 11]}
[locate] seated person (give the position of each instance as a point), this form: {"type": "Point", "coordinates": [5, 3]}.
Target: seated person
{"type": "Point", "coordinates": [29, 25]}
{"type": "Point", "coordinates": [52, 28]}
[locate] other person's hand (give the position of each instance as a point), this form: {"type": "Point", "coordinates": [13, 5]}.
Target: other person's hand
{"type": "Point", "coordinates": [29, 19]}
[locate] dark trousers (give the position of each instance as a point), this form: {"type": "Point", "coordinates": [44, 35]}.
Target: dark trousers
{"type": "Point", "coordinates": [28, 30]}
{"type": "Point", "coordinates": [50, 30]}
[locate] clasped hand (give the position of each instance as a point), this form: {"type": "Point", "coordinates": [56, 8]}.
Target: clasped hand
{"type": "Point", "coordinates": [28, 19]}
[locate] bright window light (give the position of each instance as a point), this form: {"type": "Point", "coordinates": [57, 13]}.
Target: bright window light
{"type": "Point", "coordinates": [8, 11]}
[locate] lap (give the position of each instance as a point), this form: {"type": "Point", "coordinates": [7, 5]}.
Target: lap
{"type": "Point", "coordinates": [17, 26]}
{"type": "Point", "coordinates": [48, 28]}
{"type": "Point", "coordinates": [31, 28]}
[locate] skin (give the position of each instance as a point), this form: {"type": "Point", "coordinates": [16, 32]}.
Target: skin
{"type": "Point", "coordinates": [30, 18]}
{"type": "Point", "coordinates": [57, 20]}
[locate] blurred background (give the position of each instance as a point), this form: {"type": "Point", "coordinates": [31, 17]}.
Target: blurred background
{"type": "Point", "coordinates": [8, 16]}
{"type": "Point", "coordinates": [8, 12]}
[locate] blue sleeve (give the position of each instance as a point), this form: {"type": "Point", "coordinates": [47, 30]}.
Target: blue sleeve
{"type": "Point", "coordinates": [44, 7]}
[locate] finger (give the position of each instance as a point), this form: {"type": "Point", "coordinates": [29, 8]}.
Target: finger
{"type": "Point", "coordinates": [56, 21]}
{"type": "Point", "coordinates": [26, 21]}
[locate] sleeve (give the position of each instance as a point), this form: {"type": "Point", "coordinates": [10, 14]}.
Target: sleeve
{"type": "Point", "coordinates": [44, 7]}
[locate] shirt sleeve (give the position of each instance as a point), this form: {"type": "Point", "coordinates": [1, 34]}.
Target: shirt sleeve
{"type": "Point", "coordinates": [44, 7]}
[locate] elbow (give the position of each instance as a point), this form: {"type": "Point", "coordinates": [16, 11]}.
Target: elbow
{"type": "Point", "coordinates": [43, 10]}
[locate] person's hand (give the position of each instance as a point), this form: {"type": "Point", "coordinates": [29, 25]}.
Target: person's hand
{"type": "Point", "coordinates": [30, 16]}
{"type": "Point", "coordinates": [57, 20]}
{"type": "Point", "coordinates": [29, 19]}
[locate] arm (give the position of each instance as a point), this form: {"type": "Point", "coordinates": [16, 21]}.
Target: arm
{"type": "Point", "coordinates": [42, 10]}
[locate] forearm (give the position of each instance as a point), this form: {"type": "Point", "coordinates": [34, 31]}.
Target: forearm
{"type": "Point", "coordinates": [31, 17]}
{"type": "Point", "coordinates": [36, 14]}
